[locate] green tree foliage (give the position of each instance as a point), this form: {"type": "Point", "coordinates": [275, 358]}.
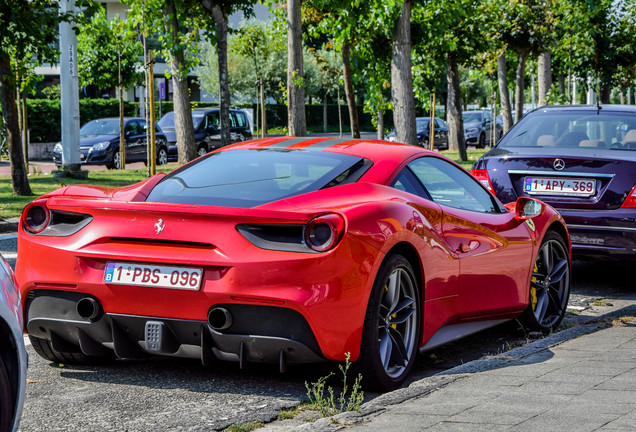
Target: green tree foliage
{"type": "Point", "coordinates": [251, 52]}
{"type": "Point", "coordinates": [331, 25]}
{"type": "Point", "coordinates": [99, 43]}
{"type": "Point", "coordinates": [176, 25]}
{"type": "Point", "coordinates": [28, 37]}
{"type": "Point", "coordinates": [449, 34]}
{"type": "Point", "coordinates": [153, 17]}
{"type": "Point", "coordinates": [597, 39]}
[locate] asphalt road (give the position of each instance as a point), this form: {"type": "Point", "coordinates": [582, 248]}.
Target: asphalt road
{"type": "Point", "coordinates": [174, 394]}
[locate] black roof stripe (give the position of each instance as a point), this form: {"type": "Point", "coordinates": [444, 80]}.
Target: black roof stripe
{"type": "Point", "coordinates": [328, 143]}
{"type": "Point", "coordinates": [289, 142]}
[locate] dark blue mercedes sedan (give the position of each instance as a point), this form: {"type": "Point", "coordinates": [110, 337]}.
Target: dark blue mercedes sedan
{"type": "Point", "coordinates": [582, 161]}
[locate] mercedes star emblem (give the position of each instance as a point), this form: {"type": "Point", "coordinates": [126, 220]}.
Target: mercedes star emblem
{"type": "Point", "coordinates": [159, 226]}
{"type": "Point", "coordinates": [558, 164]}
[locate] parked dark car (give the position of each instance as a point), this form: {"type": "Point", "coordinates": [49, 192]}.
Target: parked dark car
{"type": "Point", "coordinates": [478, 128]}
{"type": "Point", "coordinates": [423, 126]}
{"type": "Point", "coordinates": [207, 131]}
{"type": "Point", "coordinates": [99, 143]}
{"type": "Point", "coordinates": [582, 161]}
{"type": "Point", "coordinates": [499, 121]}
{"type": "Point", "coordinates": [13, 356]}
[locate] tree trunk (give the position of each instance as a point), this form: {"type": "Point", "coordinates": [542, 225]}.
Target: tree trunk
{"type": "Point", "coordinates": [380, 124]}
{"type": "Point", "coordinates": [402, 79]}
{"type": "Point", "coordinates": [502, 79]}
{"type": "Point", "coordinates": [521, 70]}
{"type": "Point", "coordinates": [10, 118]}
{"type": "Point", "coordinates": [605, 94]}
{"type": "Point", "coordinates": [348, 85]}
{"type": "Point", "coordinates": [561, 85]}
{"type": "Point", "coordinates": [295, 71]}
{"type": "Point", "coordinates": [454, 116]}
{"type": "Point", "coordinates": [544, 72]}
{"type": "Point", "coordinates": [220, 18]}
{"type": "Point", "coordinates": [184, 129]}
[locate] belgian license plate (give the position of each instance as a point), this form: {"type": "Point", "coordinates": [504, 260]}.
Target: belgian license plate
{"type": "Point", "coordinates": [560, 186]}
{"type": "Point", "coordinates": [153, 276]}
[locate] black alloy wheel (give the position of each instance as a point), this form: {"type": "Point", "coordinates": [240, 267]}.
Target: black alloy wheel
{"type": "Point", "coordinates": [391, 327]}
{"type": "Point", "coordinates": [202, 150]}
{"type": "Point", "coordinates": [549, 285]}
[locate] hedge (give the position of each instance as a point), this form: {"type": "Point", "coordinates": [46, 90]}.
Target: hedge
{"type": "Point", "coordinates": [44, 116]}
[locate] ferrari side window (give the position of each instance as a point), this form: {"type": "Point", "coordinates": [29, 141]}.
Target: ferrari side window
{"type": "Point", "coordinates": [407, 182]}
{"type": "Point", "coordinates": [450, 186]}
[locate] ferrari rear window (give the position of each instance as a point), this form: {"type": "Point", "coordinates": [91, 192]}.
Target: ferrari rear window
{"type": "Point", "coordinates": [582, 129]}
{"type": "Point", "coordinates": [248, 178]}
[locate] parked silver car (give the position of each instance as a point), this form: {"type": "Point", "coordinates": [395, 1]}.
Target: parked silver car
{"type": "Point", "coordinates": [13, 357]}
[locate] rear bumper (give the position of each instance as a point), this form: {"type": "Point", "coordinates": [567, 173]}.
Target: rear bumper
{"type": "Point", "coordinates": [602, 234]}
{"type": "Point", "coordinates": [259, 334]}
{"type": "Point", "coordinates": [329, 290]}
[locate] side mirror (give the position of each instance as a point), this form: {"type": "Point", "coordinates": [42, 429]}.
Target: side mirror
{"type": "Point", "coordinates": [528, 208]}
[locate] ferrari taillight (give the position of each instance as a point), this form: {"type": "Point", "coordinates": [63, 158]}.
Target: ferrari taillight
{"type": "Point", "coordinates": [35, 217]}
{"type": "Point", "coordinates": [482, 176]}
{"type": "Point", "coordinates": [630, 201]}
{"type": "Point", "coordinates": [324, 232]}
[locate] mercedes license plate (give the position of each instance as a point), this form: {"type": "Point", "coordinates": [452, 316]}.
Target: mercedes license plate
{"type": "Point", "coordinates": [560, 186]}
{"type": "Point", "coordinates": [153, 276]}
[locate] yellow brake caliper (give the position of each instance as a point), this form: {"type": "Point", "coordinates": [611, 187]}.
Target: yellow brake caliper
{"type": "Point", "coordinates": [533, 290]}
{"type": "Point", "coordinates": [386, 290]}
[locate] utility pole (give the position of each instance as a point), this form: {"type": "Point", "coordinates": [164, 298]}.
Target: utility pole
{"type": "Point", "coordinates": [69, 96]}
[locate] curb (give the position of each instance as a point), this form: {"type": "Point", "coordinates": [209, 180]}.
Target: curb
{"type": "Point", "coordinates": [430, 384]}
{"type": "Point", "coordinates": [9, 225]}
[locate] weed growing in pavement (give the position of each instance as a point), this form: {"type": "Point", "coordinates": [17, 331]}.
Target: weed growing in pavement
{"type": "Point", "coordinates": [247, 427]}
{"type": "Point", "coordinates": [602, 302]}
{"type": "Point", "coordinates": [328, 405]}
{"type": "Point", "coordinates": [288, 414]}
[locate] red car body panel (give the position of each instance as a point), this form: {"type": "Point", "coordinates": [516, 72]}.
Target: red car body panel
{"type": "Point", "coordinates": [472, 266]}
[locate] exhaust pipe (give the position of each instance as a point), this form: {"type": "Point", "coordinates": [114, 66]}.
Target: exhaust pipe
{"type": "Point", "coordinates": [219, 318]}
{"type": "Point", "coordinates": [88, 308]}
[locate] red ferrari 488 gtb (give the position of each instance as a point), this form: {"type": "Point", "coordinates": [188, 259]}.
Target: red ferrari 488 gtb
{"type": "Point", "coordinates": [286, 251]}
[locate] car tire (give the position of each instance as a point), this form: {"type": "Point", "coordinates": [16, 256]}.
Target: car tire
{"type": "Point", "coordinates": [549, 286]}
{"type": "Point", "coordinates": [391, 327]}
{"type": "Point", "coordinates": [202, 150]}
{"type": "Point", "coordinates": [45, 350]}
{"type": "Point", "coordinates": [162, 155]}
{"type": "Point", "coordinates": [482, 140]}
{"type": "Point", "coordinates": [115, 162]}
{"type": "Point", "coordinates": [6, 399]}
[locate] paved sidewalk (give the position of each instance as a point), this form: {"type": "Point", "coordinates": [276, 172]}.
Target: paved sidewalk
{"type": "Point", "coordinates": [580, 379]}
{"type": "Point", "coordinates": [585, 384]}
